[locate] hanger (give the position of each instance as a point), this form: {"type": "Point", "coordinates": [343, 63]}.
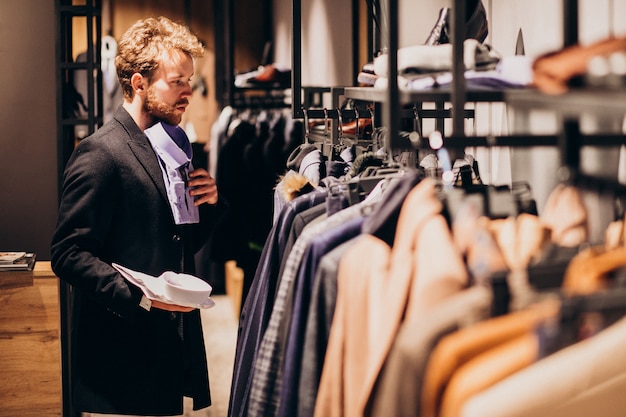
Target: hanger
{"type": "Point", "coordinates": [415, 137]}
{"type": "Point", "coordinates": [494, 201]}
{"type": "Point", "coordinates": [364, 183]}
{"type": "Point", "coordinates": [307, 129]}
{"type": "Point", "coordinates": [590, 270]}
{"type": "Point", "coordinates": [582, 316]}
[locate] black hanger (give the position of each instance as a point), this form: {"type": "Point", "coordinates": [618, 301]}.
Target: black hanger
{"type": "Point", "coordinates": [583, 316]}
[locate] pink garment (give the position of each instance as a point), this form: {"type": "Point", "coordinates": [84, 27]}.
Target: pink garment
{"type": "Point", "coordinates": [378, 287]}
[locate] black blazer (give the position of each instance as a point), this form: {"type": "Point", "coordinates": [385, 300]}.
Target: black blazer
{"type": "Point", "coordinates": [125, 360]}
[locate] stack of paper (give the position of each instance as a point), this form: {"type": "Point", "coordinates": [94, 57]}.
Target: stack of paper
{"type": "Point", "coordinates": [17, 261]}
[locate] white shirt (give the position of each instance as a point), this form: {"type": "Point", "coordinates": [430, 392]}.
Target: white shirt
{"type": "Point", "coordinates": [175, 165]}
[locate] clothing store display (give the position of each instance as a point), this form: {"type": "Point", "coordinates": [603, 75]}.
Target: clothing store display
{"type": "Point", "coordinates": [429, 59]}
{"type": "Point", "coordinates": [324, 293]}
{"type": "Point", "coordinates": [588, 272]}
{"type": "Point", "coordinates": [273, 75]}
{"type": "Point", "coordinates": [509, 72]}
{"type": "Point", "coordinates": [250, 155]}
{"type": "Point", "coordinates": [321, 312]}
{"type": "Point", "coordinates": [497, 362]}
{"type": "Point", "coordinates": [411, 218]}
{"type": "Point", "coordinates": [414, 286]}
{"type": "Point", "coordinates": [461, 347]}
{"type": "Point", "coordinates": [476, 25]}
{"type": "Point", "coordinates": [555, 71]}
{"type": "Point", "coordinates": [583, 379]}
{"type": "Point", "coordinates": [338, 313]}
{"type": "Point", "coordinates": [571, 230]}
{"type": "Point", "coordinates": [397, 391]}
{"type": "Point", "coordinates": [300, 222]}
{"type": "Point", "coordinates": [308, 160]}
{"type": "Point", "coordinates": [258, 305]}
{"type": "Point", "coordinates": [369, 307]}
{"type": "Point", "coordinates": [267, 377]}
{"type": "Point", "coordinates": [321, 245]}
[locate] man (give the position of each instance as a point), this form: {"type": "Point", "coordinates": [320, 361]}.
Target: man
{"type": "Point", "coordinates": [130, 355]}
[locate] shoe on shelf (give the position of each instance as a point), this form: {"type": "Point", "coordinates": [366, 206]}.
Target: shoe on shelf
{"type": "Point", "coordinates": [265, 75]}
{"type": "Point", "coordinates": [476, 26]}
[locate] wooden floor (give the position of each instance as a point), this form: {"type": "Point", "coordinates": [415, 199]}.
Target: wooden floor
{"type": "Point", "coordinates": [220, 336]}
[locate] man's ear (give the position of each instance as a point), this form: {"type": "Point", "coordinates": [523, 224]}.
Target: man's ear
{"type": "Point", "coordinates": [138, 82]}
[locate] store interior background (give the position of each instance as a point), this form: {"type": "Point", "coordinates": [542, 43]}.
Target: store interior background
{"type": "Point", "coordinates": [28, 144]}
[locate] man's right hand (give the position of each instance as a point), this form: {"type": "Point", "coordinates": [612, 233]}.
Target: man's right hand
{"type": "Point", "coordinates": [171, 307]}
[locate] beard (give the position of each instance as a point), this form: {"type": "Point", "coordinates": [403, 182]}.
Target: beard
{"type": "Point", "coordinates": [161, 111]}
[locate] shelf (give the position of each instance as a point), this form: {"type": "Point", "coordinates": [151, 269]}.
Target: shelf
{"type": "Point", "coordinates": [430, 95]}
{"type": "Point", "coordinates": [529, 140]}
{"type": "Point", "coordinates": [572, 103]}
{"type": "Point", "coordinates": [266, 88]}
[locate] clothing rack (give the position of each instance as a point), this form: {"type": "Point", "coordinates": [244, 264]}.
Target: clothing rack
{"type": "Point", "coordinates": [569, 142]}
{"type": "Point", "coordinates": [390, 103]}
{"type": "Point", "coordinates": [227, 94]}
{"type": "Point", "coordinates": [457, 89]}
{"type": "Point", "coordinates": [570, 106]}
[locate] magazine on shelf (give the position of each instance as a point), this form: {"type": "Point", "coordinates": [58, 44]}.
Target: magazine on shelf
{"type": "Point", "coordinates": [17, 261]}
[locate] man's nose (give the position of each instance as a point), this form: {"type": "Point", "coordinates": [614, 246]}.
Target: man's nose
{"type": "Point", "coordinates": [187, 91]}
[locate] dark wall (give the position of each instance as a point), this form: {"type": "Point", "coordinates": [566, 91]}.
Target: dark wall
{"type": "Point", "coordinates": [28, 149]}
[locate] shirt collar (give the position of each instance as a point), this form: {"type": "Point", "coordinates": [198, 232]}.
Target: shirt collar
{"type": "Point", "coordinates": [167, 149]}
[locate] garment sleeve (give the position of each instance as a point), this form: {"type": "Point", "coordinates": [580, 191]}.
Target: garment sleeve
{"type": "Point", "coordinates": [78, 253]}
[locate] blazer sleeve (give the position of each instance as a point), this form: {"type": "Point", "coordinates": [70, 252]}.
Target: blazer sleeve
{"type": "Point", "coordinates": [210, 217]}
{"type": "Point", "coordinates": [78, 253]}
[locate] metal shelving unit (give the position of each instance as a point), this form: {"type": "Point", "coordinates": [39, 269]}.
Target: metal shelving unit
{"type": "Point", "coordinates": [67, 115]}
{"type": "Point", "coordinates": [570, 107]}
{"type": "Point", "coordinates": [389, 101]}
{"type": "Point", "coordinates": [87, 15]}
{"type": "Point", "coordinates": [227, 93]}
{"type": "Point", "coordinates": [442, 94]}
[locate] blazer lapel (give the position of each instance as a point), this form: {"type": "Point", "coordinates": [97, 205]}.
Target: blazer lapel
{"type": "Point", "coordinates": [148, 159]}
{"type": "Point", "coordinates": [141, 148]}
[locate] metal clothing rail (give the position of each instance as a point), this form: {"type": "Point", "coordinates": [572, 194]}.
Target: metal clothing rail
{"type": "Point", "coordinates": [297, 88]}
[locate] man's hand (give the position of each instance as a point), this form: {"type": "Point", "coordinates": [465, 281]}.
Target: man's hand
{"type": "Point", "coordinates": [171, 307]}
{"type": "Point", "coordinates": [202, 187]}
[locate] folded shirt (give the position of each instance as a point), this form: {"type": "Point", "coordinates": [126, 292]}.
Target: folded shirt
{"type": "Point", "coordinates": [154, 287]}
{"type": "Point", "coordinates": [510, 72]}
{"type": "Point", "coordinates": [422, 59]}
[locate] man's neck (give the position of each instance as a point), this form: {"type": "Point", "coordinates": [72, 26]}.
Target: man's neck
{"type": "Point", "coordinates": [135, 109]}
